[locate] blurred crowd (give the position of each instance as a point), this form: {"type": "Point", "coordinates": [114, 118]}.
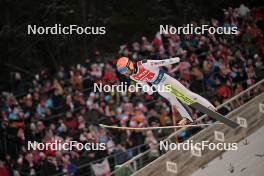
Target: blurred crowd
{"type": "Point", "coordinates": [62, 105]}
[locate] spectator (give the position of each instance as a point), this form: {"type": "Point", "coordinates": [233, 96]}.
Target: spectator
{"type": "Point", "coordinates": [3, 169]}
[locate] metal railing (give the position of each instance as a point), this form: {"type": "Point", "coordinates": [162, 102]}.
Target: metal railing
{"type": "Point", "coordinates": [143, 159]}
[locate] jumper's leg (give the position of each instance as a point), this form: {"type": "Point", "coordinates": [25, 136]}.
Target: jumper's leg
{"type": "Point", "coordinates": [187, 92]}
{"type": "Point", "coordinates": [175, 102]}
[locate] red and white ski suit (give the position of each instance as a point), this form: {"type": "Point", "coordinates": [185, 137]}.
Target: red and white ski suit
{"type": "Point", "coordinates": [148, 72]}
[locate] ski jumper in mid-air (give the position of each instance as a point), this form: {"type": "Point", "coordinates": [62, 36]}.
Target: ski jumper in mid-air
{"type": "Point", "coordinates": [148, 72]}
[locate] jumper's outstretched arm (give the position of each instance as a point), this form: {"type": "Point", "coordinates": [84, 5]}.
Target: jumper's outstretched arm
{"type": "Point", "coordinates": [159, 63]}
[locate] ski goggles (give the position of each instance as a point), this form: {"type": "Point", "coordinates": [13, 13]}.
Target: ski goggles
{"type": "Point", "coordinates": [123, 70]}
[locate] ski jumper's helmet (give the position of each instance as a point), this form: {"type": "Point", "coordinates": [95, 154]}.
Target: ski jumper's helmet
{"type": "Point", "coordinates": [123, 65]}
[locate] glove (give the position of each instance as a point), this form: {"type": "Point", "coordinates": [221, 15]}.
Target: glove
{"type": "Point", "coordinates": [185, 59]}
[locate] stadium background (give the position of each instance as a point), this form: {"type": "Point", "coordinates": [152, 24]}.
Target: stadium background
{"type": "Point", "coordinates": [126, 22]}
{"type": "Point", "coordinates": [58, 101]}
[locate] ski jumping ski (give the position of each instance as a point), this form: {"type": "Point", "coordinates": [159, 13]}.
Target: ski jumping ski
{"type": "Point", "coordinates": [159, 127]}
